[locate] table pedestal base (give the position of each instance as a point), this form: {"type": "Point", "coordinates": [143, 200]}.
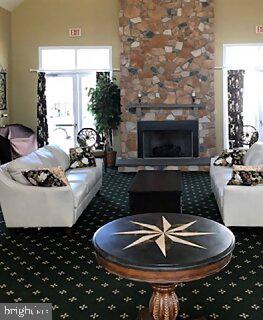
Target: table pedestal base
{"type": "Point", "coordinates": [145, 315]}
{"type": "Point", "coordinates": [163, 305]}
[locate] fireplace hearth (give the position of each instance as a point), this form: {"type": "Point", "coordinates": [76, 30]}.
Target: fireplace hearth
{"type": "Point", "coordinates": [168, 139]}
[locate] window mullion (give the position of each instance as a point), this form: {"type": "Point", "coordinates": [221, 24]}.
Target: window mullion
{"type": "Point", "coordinates": [75, 106]}
{"type": "Point", "coordinates": [79, 102]}
{"type": "Point", "coordinates": [76, 59]}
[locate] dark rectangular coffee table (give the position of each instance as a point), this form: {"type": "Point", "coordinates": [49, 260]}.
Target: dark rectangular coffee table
{"type": "Point", "coordinates": [156, 191]}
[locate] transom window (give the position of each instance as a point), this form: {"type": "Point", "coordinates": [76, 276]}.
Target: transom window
{"type": "Point", "coordinates": [75, 58]}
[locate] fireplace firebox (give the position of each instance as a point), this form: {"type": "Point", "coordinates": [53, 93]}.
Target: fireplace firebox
{"type": "Point", "coordinates": [168, 139]}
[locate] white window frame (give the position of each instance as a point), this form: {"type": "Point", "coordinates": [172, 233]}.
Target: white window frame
{"type": "Point", "coordinates": [75, 48]}
{"type": "Point", "coordinates": [76, 75]}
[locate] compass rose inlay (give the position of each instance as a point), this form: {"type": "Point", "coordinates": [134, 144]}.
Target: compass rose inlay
{"type": "Point", "coordinates": [154, 233]}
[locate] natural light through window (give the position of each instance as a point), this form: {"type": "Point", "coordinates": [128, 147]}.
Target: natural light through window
{"type": "Point", "coordinates": [93, 59]}
{"type": "Point", "coordinates": [58, 59]}
{"type": "Point", "coordinates": [70, 74]}
{"type": "Point", "coordinates": [79, 58]}
{"type": "Point", "coordinates": [248, 57]}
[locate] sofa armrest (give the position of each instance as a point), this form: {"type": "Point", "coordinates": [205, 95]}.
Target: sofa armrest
{"type": "Point", "coordinates": [24, 205]}
{"type": "Point", "coordinates": [243, 206]}
{"type": "Point", "coordinates": [213, 160]}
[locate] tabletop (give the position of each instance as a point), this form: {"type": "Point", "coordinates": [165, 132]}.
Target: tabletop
{"type": "Point", "coordinates": [163, 242]}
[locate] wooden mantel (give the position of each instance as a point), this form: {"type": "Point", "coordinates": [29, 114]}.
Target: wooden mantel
{"type": "Point", "coordinates": [138, 107]}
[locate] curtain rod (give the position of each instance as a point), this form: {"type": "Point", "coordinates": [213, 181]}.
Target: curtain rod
{"type": "Point", "coordinates": [73, 71]}
{"type": "Point", "coordinates": [88, 70]}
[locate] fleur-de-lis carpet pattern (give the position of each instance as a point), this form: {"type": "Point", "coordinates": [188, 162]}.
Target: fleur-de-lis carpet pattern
{"type": "Point", "coordinates": [54, 267]}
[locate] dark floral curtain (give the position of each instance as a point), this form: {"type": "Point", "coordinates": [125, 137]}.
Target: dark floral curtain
{"type": "Point", "coordinates": [235, 107]}
{"type": "Point", "coordinates": [3, 100]}
{"type": "Point", "coordinates": [42, 126]}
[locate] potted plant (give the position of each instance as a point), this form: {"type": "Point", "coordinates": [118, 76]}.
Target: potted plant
{"type": "Point", "coordinates": [105, 105]}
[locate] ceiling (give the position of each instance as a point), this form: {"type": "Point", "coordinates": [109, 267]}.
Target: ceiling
{"type": "Point", "coordinates": [10, 4]}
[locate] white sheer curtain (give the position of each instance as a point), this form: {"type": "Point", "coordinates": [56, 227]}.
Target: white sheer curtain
{"type": "Point", "coordinates": [253, 99]}
{"type": "Point", "coordinates": [260, 113]}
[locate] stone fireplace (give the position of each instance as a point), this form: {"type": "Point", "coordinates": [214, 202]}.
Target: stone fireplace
{"type": "Point", "coordinates": [168, 139]}
{"type": "Point", "coordinates": [167, 53]}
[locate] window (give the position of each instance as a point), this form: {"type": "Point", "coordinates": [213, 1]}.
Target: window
{"type": "Point", "coordinates": [57, 59]}
{"type": "Point", "coordinates": [248, 57]}
{"type": "Point", "coordinates": [71, 72]}
{"type": "Point", "coordinates": [78, 58]}
{"type": "Point", "coordinates": [93, 59]}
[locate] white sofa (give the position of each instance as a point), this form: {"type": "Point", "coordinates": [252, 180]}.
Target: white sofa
{"type": "Point", "coordinates": [24, 205]}
{"type": "Point", "coordinates": [240, 206]}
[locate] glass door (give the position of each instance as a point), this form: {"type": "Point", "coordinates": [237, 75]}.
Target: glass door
{"type": "Point", "coordinates": [67, 107]}
{"type": "Point", "coordinates": [61, 110]}
{"type": "Point", "coordinates": [259, 116]}
{"type": "Point", "coordinates": [86, 81]}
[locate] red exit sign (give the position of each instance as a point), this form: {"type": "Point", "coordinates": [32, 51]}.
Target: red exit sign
{"type": "Point", "coordinates": [75, 32]}
{"type": "Point", "coordinates": [259, 29]}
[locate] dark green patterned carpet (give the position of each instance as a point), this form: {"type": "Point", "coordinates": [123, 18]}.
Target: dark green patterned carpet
{"type": "Point", "coordinates": [51, 266]}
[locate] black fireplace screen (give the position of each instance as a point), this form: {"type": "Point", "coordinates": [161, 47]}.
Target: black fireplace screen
{"type": "Point", "coordinates": [168, 139]}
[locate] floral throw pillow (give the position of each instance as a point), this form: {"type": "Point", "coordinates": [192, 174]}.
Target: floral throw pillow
{"type": "Point", "coordinates": [246, 176]}
{"type": "Point", "coordinates": [228, 158]}
{"type": "Point", "coordinates": [50, 177]}
{"type": "Point", "coordinates": [81, 157]}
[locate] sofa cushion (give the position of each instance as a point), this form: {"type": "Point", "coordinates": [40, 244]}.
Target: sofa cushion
{"type": "Point", "coordinates": [88, 176]}
{"type": "Point", "coordinates": [60, 155]}
{"type": "Point", "coordinates": [29, 162]}
{"type": "Point", "coordinates": [254, 155]}
{"type": "Point", "coordinates": [47, 157]}
{"type": "Point", "coordinates": [78, 175]}
{"type": "Point", "coordinates": [47, 177]}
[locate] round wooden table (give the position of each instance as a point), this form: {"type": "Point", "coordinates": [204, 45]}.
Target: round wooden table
{"type": "Point", "coordinates": [163, 249]}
